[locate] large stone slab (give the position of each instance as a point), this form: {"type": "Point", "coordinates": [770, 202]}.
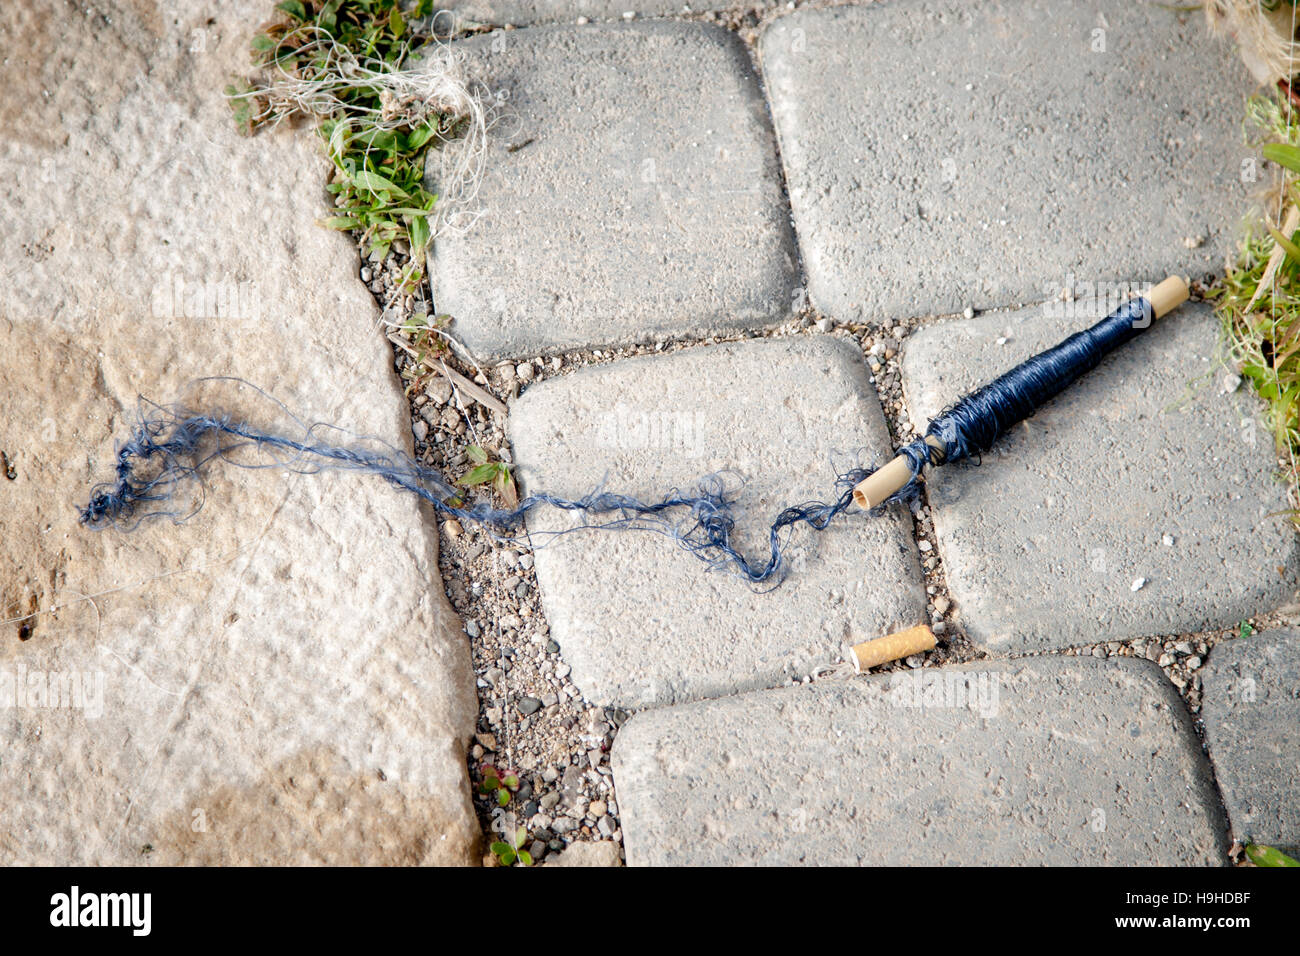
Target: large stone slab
{"type": "Point", "coordinates": [646, 202]}
{"type": "Point", "coordinates": [643, 622]}
{"type": "Point", "coordinates": [944, 154]}
{"type": "Point", "coordinates": [1045, 761]}
{"type": "Point", "coordinates": [1251, 707]}
{"type": "Point", "coordinates": [1144, 475]}
{"type": "Point", "coordinates": [279, 680]}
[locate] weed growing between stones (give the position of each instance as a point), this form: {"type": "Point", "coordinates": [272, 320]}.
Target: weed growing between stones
{"type": "Point", "coordinates": [1269, 856]}
{"type": "Point", "coordinates": [1259, 299]}
{"type": "Point", "coordinates": [382, 91]}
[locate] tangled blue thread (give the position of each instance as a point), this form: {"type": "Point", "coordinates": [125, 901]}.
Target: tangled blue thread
{"type": "Point", "coordinates": [171, 447]}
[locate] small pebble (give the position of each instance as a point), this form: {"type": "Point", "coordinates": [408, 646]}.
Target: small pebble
{"type": "Point", "coordinates": [1138, 585]}
{"type": "Point", "coordinates": [529, 706]}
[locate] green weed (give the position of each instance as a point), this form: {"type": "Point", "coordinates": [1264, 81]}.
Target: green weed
{"type": "Point", "coordinates": [1269, 856]}
{"type": "Point", "coordinates": [340, 63]}
{"type": "Point", "coordinates": [1259, 299]}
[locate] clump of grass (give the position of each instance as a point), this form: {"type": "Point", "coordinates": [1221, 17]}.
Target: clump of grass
{"type": "Point", "coordinates": [1259, 298]}
{"type": "Point", "coordinates": [345, 64]}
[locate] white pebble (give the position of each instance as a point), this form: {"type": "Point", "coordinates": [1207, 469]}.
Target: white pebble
{"type": "Point", "coordinates": [1138, 585]}
{"type": "Point", "coordinates": [1167, 541]}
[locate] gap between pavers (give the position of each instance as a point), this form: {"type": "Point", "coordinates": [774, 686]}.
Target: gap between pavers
{"type": "Point", "coordinates": [1251, 708]}
{"type": "Point", "coordinates": [943, 154]}
{"type": "Point", "coordinates": [1141, 501]}
{"type": "Point", "coordinates": [1044, 761]}
{"type": "Point", "coordinates": [632, 192]}
{"type": "Point", "coordinates": [643, 622]}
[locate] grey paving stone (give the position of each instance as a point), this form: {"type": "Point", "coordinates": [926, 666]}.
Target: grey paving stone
{"type": "Point", "coordinates": [1044, 541]}
{"type": "Point", "coordinates": [1251, 707]}
{"type": "Point", "coordinates": [643, 622]}
{"type": "Point", "coordinates": [1048, 760]}
{"type": "Point", "coordinates": [944, 154]}
{"type": "Point", "coordinates": [647, 201]}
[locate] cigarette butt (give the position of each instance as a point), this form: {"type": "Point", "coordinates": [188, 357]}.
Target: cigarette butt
{"type": "Point", "coordinates": [892, 647]}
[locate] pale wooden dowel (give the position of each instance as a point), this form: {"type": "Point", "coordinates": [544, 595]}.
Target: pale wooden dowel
{"type": "Point", "coordinates": [1168, 295]}
{"type": "Point", "coordinates": [883, 482]}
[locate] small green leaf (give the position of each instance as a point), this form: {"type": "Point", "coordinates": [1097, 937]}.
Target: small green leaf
{"type": "Point", "coordinates": [419, 237]}
{"type": "Point", "coordinates": [521, 835]}
{"type": "Point", "coordinates": [511, 781]}
{"type": "Point", "coordinates": [396, 23]}
{"type": "Point", "coordinates": [294, 8]}
{"type": "Point", "coordinates": [503, 797]}
{"type": "Point", "coordinates": [1269, 856]}
{"type": "Point", "coordinates": [1291, 249]}
{"type": "Point", "coordinates": [476, 454]}
{"type": "Point", "coordinates": [1283, 155]}
{"type": "Point", "coordinates": [417, 138]}
{"type": "Point", "coordinates": [377, 184]}
{"type": "Point", "coordinates": [525, 858]}
{"type": "Point", "coordinates": [341, 222]}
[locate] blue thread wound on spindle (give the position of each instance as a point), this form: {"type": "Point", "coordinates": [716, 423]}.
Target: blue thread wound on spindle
{"type": "Point", "coordinates": [969, 426]}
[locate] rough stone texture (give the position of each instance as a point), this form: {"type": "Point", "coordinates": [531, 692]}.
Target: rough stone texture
{"type": "Point", "coordinates": [599, 853]}
{"type": "Point", "coordinates": [646, 203]}
{"type": "Point", "coordinates": [1043, 542]}
{"type": "Point", "coordinates": [1252, 725]}
{"type": "Point", "coordinates": [643, 622]}
{"type": "Point", "coordinates": [944, 154]}
{"type": "Point", "coordinates": [282, 679]}
{"type": "Point", "coordinates": [1081, 762]}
